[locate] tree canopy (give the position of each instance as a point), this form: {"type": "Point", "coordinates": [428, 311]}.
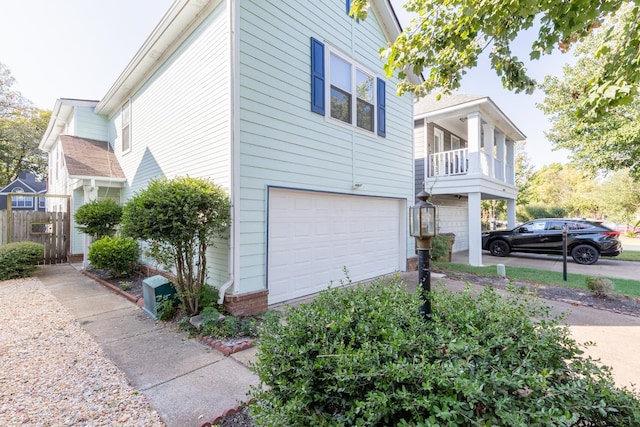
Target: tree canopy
{"type": "Point", "coordinates": [610, 143]}
{"type": "Point", "coordinates": [21, 128]}
{"type": "Point", "coordinates": [446, 38]}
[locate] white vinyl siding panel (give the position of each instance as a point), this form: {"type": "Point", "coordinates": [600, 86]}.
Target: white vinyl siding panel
{"type": "Point", "coordinates": [314, 237]}
{"type": "Point", "coordinates": [77, 237]}
{"type": "Point", "coordinates": [283, 143]}
{"type": "Point", "coordinates": [181, 121]}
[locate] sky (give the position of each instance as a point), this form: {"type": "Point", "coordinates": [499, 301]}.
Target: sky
{"type": "Point", "coordinates": [78, 48]}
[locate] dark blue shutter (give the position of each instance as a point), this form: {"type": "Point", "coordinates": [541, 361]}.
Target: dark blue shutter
{"type": "Point", "coordinates": [348, 6]}
{"type": "Point", "coordinates": [317, 76]}
{"type": "Point", "coordinates": [382, 108]}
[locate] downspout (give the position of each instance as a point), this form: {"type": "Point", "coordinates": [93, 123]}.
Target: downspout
{"type": "Point", "coordinates": [233, 8]}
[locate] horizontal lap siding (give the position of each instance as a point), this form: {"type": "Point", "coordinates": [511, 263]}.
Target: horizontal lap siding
{"type": "Point", "coordinates": [283, 143]}
{"type": "Point", "coordinates": [180, 121]}
{"type": "Point", "coordinates": [90, 125]}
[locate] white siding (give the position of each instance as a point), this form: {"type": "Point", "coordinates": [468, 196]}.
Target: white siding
{"type": "Point", "coordinates": [283, 143]}
{"type": "Point", "coordinates": [180, 120]}
{"type": "Point", "coordinates": [453, 217]}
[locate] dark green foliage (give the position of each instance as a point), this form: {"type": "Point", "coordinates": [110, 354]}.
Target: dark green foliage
{"type": "Point", "coordinates": [180, 218]}
{"type": "Point", "coordinates": [19, 259]}
{"type": "Point", "coordinates": [166, 306]}
{"type": "Point", "coordinates": [530, 212]}
{"type": "Point", "coordinates": [117, 254]}
{"type": "Point", "coordinates": [365, 356]}
{"type": "Point", "coordinates": [99, 218]}
{"type": "Point", "coordinates": [440, 246]}
{"type": "Point", "coordinates": [218, 326]}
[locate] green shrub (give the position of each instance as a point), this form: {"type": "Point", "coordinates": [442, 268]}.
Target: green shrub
{"type": "Point", "coordinates": [99, 218]}
{"type": "Point", "coordinates": [365, 356]}
{"type": "Point", "coordinates": [218, 326]}
{"type": "Point", "coordinates": [166, 307]}
{"type": "Point", "coordinates": [117, 254]}
{"type": "Point", "coordinates": [180, 218]}
{"type": "Point", "coordinates": [600, 286]}
{"type": "Point", "coordinates": [19, 259]}
{"type": "Point", "coordinates": [440, 246]}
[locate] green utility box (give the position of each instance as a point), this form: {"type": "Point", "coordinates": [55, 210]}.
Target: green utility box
{"type": "Point", "coordinates": [152, 288]}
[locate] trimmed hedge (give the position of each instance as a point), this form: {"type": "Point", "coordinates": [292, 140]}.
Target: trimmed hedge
{"type": "Point", "coordinates": [117, 254]}
{"type": "Point", "coordinates": [19, 259]}
{"type": "Point", "coordinates": [365, 356]}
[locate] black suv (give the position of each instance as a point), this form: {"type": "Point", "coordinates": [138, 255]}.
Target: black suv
{"type": "Point", "coordinates": [586, 240]}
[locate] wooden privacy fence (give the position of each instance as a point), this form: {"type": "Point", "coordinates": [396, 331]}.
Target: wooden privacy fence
{"type": "Point", "coordinates": [51, 229]}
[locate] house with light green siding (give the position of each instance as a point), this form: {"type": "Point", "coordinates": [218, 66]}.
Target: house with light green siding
{"type": "Point", "coordinates": [288, 108]}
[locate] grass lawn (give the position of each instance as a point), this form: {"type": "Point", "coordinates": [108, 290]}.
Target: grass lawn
{"type": "Point", "coordinates": [629, 256]}
{"type": "Point", "coordinates": [622, 286]}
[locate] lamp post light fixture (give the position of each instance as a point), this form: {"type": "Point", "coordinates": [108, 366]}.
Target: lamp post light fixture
{"type": "Point", "coordinates": [422, 225]}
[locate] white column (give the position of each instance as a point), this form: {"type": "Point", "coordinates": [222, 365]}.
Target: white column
{"type": "Point", "coordinates": [511, 214]}
{"type": "Point", "coordinates": [475, 230]}
{"type": "Point", "coordinates": [500, 155]}
{"type": "Point", "coordinates": [489, 144]}
{"type": "Point", "coordinates": [511, 161]}
{"type": "Point", "coordinates": [473, 142]}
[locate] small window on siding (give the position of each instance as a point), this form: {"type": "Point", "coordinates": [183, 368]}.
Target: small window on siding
{"type": "Point", "coordinates": [455, 143]}
{"type": "Point", "coordinates": [126, 126]}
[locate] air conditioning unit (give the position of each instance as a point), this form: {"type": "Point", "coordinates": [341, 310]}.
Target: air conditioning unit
{"type": "Point", "coordinates": [152, 288]}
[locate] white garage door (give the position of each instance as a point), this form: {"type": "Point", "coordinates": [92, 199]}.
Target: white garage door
{"type": "Point", "coordinates": [455, 219]}
{"type": "Point", "coordinates": [313, 236]}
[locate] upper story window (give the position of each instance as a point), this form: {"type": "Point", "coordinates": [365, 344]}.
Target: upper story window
{"type": "Point", "coordinates": [126, 126]}
{"type": "Point", "coordinates": [21, 201]}
{"type": "Point", "coordinates": [354, 92]}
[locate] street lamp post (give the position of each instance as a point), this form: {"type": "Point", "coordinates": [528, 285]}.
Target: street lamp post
{"type": "Point", "coordinates": [422, 226]}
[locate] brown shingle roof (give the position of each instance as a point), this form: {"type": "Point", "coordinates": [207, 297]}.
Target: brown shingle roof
{"type": "Point", "coordinates": [90, 157]}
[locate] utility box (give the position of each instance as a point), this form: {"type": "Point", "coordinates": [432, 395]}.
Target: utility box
{"type": "Point", "coordinates": [152, 288]}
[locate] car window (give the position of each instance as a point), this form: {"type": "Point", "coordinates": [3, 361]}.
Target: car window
{"type": "Point", "coordinates": [534, 226]}
{"type": "Point", "coordinates": [556, 225]}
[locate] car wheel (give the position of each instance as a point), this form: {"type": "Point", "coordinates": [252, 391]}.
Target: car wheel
{"type": "Point", "coordinates": [585, 254]}
{"type": "Point", "coordinates": [499, 248]}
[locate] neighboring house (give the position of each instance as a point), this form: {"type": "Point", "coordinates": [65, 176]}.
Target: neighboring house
{"type": "Point", "coordinates": [28, 184]}
{"type": "Point", "coordinates": [465, 153]}
{"type": "Point", "coordinates": [285, 106]}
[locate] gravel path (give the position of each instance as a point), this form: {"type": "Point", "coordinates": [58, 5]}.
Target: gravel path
{"type": "Point", "coordinates": [52, 373]}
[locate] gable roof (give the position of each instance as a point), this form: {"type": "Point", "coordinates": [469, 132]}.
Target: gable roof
{"type": "Point", "coordinates": [26, 181]}
{"type": "Point", "coordinates": [458, 105]}
{"type": "Point", "coordinates": [60, 117]}
{"type": "Point", "coordinates": [90, 158]}
{"type": "Point", "coordinates": [429, 103]}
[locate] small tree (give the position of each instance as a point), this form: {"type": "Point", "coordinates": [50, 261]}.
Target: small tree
{"type": "Point", "coordinates": [99, 218]}
{"type": "Point", "coordinates": [179, 218]}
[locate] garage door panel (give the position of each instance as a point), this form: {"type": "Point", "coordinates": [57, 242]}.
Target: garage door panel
{"type": "Point", "coordinates": [318, 234]}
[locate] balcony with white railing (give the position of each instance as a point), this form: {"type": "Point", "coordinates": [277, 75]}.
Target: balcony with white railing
{"type": "Point", "coordinates": [462, 162]}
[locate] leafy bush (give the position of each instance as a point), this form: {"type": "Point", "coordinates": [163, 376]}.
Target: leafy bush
{"type": "Point", "coordinates": [365, 356]}
{"type": "Point", "coordinates": [600, 286]}
{"type": "Point", "coordinates": [218, 326]}
{"type": "Point", "coordinates": [19, 259]}
{"type": "Point", "coordinates": [117, 254]}
{"type": "Point", "coordinates": [99, 218]}
{"type": "Point", "coordinates": [440, 246]}
{"type": "Point", "coordinates": [530, 212]}
{"type": "Point", "coordinates": [166, 307]}
{"type": "Point", "coordinates": [180, 218]}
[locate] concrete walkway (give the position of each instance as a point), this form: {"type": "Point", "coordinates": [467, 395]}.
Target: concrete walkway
{"type": "Point", "coordinates": [190, 383]}
{"type": "Point", "coordinates": [187, 382]}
